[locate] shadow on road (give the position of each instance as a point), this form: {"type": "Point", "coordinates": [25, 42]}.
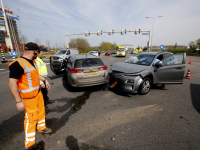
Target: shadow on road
{"type": "Point", "coordinates": [72, 144]}
{"type": "Point", "coordinates": [11, 127]}
{"type": "Point", "coordinates": [195, 96]}
{"type": "Point", "coordinates": [72, 105]}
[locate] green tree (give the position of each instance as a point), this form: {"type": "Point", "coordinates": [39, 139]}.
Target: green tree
{"type": "Point", "coordinates": [198, 42]}
{"type": "Point", "coordinates": [175, 45]}
{"type": "Point", "coordinates": [80, 43]}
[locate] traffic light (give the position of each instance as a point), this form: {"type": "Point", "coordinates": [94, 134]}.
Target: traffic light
{"type": "Point", "coordinates": [86, 33]}
{"type": "Point", "coordinates": [136, 31]}
{"type": "Point", "coordinates": [125, 31]}
{"type": "Point", "coordinates": [101, 32]}
{"type": "Point", "coordinates": [109, 32]}
{"type": "Point", "coordinates": [117, 48]}
{"type": "Point", "coordinates": [139, 31]}
{"type": "Point", "coordinates": [98, 33]}
{"type": "Point", "coordinates": [122, 31]}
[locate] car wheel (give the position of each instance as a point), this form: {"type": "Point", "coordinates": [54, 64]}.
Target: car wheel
{"type": "Point", "coordinates": [145, 86]}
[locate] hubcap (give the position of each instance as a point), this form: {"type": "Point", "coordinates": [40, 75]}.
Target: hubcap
{"type": "Point", "coordinates": [146, 86]}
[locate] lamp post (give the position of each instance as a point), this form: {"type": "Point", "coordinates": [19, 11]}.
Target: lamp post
{"type": "Point", "coordinates": [152, 28]}
{"type": "Point", "coordinates": [102, 44]}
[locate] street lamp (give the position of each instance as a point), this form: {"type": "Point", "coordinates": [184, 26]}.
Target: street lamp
{"type": "Point", "coordinates": [152, 28]}
{"type": "Point", "coordinates": [102, 44]}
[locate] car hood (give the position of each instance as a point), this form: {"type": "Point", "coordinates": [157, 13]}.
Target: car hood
{"type": "Point", "coordinates": [59, 55]}
{"type": "Point", "coordinates": [128, 68]}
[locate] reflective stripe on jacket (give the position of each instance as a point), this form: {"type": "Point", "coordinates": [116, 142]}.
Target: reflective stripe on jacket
{"type": "Point", "coordinates": [29, 83]}
{"type": "Point", "coordinates": [42, 67]}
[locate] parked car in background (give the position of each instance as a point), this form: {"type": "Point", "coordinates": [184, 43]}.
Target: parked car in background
{"type": "Point", "coordinates": [97, 50]}
{"type": "Point", "coordinates": [121, 53]}
{"type": "Point", "coordinates": [139, 72]}
{"type": "Point", "coordinates": [108, 53]}
{"type": "Point", "coordinates": [56, 61]}
{"type": "Point", "coordinates": [95, 53]}
{"type": "Point", "coordinates": [85, 70]}
{"type": "Point", "coordinates": [133, 52]}
{"type": "Point", "coordinates": [114, 51]}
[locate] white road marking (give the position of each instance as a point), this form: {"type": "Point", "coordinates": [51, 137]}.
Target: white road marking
{"type": "Point", "coordinates": [4, 72]}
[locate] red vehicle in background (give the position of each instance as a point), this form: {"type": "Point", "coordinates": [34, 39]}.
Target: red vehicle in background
{"type": "Point", "coordinates": [108, 53]}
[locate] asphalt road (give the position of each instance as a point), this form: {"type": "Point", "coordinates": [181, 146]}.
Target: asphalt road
{"type": "Point", "coordinates": [96, 118]}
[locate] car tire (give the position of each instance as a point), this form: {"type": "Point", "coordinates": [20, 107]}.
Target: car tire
{"type": "Point", "coordinates": [145, 86]}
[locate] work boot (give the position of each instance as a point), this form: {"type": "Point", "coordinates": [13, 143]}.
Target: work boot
{"type": "Point", "coordinates": [46, 131]}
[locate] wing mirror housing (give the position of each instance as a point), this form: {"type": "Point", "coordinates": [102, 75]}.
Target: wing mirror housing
{"type": "Point", "coordinates": [159, 64]}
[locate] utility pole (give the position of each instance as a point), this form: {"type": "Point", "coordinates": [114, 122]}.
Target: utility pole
{"type": "Point", "coordinates": [9, 42]}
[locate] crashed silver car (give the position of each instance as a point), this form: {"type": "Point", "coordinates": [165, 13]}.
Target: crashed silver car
{"type": "Point", "coordinates": [141, 70]}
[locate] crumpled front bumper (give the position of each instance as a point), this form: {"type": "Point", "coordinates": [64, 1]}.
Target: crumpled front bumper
{"type": "Point", "coordinates": [128, 84]}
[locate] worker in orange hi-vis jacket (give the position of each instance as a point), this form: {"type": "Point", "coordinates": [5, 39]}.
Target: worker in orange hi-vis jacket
{"type": "Point", "coordinates": [24, 83]}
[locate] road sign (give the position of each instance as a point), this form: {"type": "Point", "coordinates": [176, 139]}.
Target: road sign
{"type": "Point", "coordinates": [13, 53]}
{"type": "Point", "coordinates": [162, 47]}
{"type": "Point", "coordinates": [188, 47]}
{"type": "Point", "coordinates": [2, 22]}
{"type": "Point", "coordinates": [2, 28]}
{"type": "Point", "coordinates": [197, 48]}
{"type": "Point", "coordinates": [145, 33]}
{"type": "Point", "coordinates": [10, 15]}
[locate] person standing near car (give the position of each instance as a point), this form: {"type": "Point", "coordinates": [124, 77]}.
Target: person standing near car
{"type": "Point", "coordinates": [138, 50]}
{"type": "Point", "coordinates": [43, 72]}
{"type": "Point", "coordinates": [24, 83]}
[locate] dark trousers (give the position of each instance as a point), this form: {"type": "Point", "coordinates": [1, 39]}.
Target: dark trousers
{"type": "Point", "coordinates": [44, 93]}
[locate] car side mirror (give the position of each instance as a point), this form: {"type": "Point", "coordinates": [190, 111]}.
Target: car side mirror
{"type": "Point", "coordinates": [159, 64]}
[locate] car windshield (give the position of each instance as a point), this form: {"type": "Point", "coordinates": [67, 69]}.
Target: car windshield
{"type": "Point", "coordinates": [120, 50]}
{"type": "Point", "coordinates": [88, 62]}
{"type": "Point", "coordinates": [61, 52]}
{"type": "Point", "coordinates": [140, 59]}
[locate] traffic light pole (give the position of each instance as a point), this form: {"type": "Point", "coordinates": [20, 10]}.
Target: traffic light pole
{"type": "Point", "coordinates": [111, 32]}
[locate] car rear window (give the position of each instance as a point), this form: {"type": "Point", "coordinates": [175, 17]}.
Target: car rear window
{"type": "Point", "coordinates": [120, 50]}
{"type": "Point", "coordinates": [88, 62]}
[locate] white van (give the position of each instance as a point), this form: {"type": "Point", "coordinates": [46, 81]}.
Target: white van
{"type": "Point", "coordinates": [56, 60]}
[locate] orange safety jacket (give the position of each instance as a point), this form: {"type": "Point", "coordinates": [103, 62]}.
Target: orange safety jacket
{"type": "Point", "coordinates": [29, 83]}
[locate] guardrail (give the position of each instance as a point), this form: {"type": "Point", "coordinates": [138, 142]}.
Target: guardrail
{"type": "Point", "coordinates": [193, 54]}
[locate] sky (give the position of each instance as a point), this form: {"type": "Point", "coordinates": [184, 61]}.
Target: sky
{"type": "Point", "coordinates": [53, 19]}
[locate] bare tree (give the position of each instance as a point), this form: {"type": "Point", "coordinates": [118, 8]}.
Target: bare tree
{"type": "Point", "coordinates": [37, 41]}
{"type": "Point", "coordinates": [48, 44]}
{"type": "Point", "coordinates": [64, 46]}
{"type": "Point", "coordinates": [23, 39]}
{"type": "Point", "coordinates": [56, 46]}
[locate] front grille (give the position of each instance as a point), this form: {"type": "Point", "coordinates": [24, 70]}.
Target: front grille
{"type": "Point", "coordinates": [55, 58]}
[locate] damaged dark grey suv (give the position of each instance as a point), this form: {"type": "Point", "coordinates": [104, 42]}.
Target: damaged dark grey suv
{"type": "Point", "coordinates": [140, 71]}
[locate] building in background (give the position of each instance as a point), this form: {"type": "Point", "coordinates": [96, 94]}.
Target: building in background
{"type": "Point", "coordinates": [3, 33]}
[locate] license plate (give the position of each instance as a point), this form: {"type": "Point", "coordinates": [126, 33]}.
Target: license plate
{"type": "Point", "coordinates": [55, 60]}
{"type": "Point", "coordinates": [91, 73]}
{"type": "Point", "coordinates": [113, 85]}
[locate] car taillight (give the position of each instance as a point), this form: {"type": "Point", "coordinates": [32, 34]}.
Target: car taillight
{"type": "Point", "coordinates": [103, 68]}
{"type": "Point", "coordinates": [74, 70]}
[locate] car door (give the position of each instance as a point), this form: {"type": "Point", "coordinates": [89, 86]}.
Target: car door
{"type": "Point", "coordinates": [69, 66]}
{"type": "Point", "coordinates": [172, 71]}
